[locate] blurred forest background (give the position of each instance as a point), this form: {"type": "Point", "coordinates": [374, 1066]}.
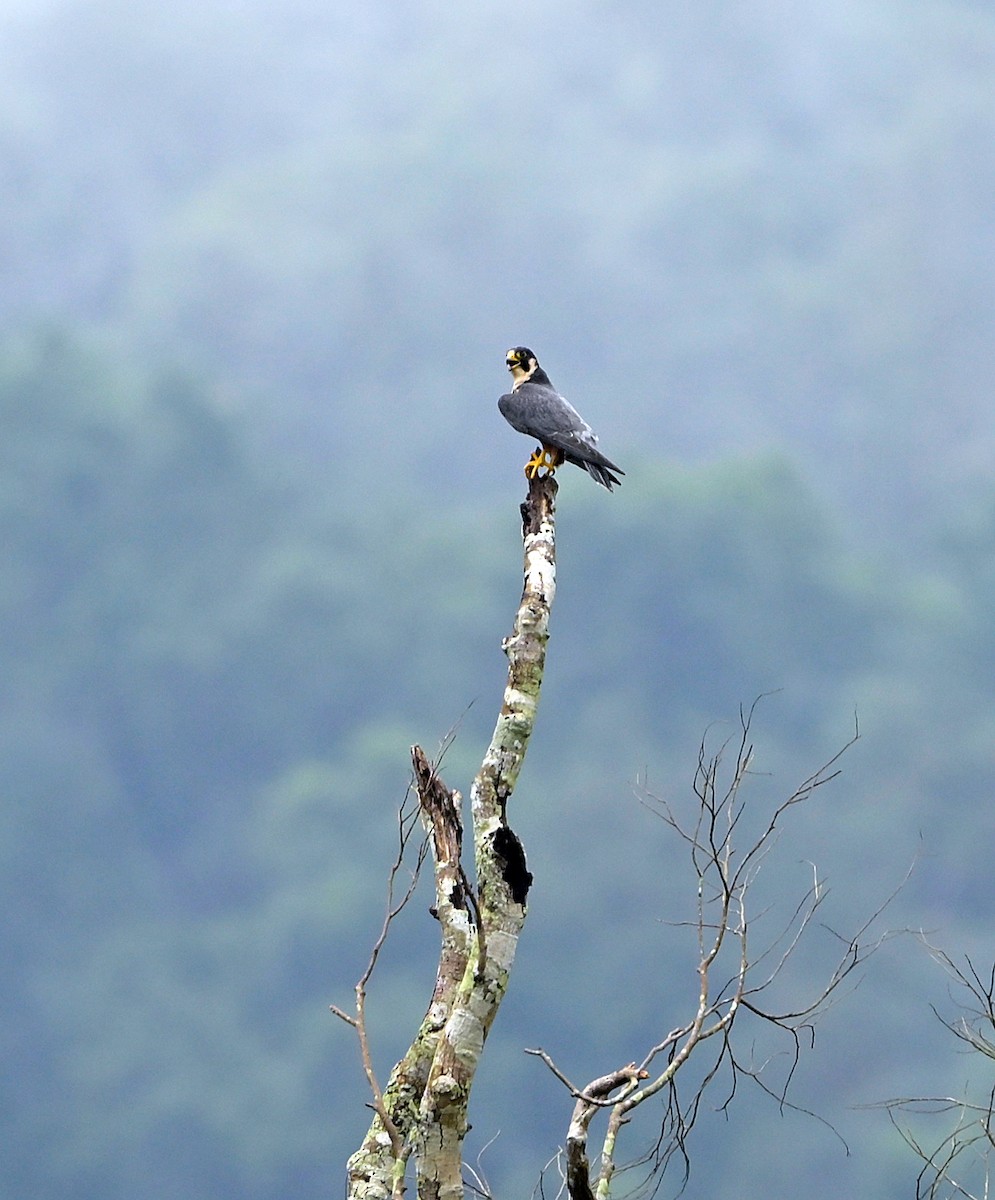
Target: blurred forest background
{"type": "Point", "coordinates": [259, 266]}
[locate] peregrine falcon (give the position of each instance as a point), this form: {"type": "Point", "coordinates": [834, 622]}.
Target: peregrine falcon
{"type": "Point", "coordinates": [535, 407]}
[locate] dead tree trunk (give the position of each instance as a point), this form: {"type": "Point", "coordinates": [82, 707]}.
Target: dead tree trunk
{"type": "Point", "coordinates": [421, 1113]}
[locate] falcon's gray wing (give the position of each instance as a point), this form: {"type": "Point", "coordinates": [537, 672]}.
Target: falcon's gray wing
{"type": "Point", "coordinates": [542, 413]}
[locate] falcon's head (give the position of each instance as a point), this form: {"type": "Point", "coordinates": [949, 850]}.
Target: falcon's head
{"type": "Point", "coordinates": [522, 363]}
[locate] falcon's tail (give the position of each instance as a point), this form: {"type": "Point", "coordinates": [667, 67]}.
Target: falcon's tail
{"type": "Point", "coordinates": [600, 473]}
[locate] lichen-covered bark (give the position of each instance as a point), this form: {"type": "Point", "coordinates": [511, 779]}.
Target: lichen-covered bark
{"type": "Point", "coordinates": [578, 1166]}
{"type": "Point", "coordinates": [503, 879]}
{"type": "Point", "coordinates": [375, 1171]}
{"type": "Point", "coordinates": [428, 1093]}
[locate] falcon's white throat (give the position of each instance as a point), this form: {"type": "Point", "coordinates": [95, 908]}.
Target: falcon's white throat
{"type": "Point", "coordinates": [522, 373]}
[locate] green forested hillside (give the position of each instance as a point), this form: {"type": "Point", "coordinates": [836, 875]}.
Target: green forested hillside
{"type": "Point", "coordinates": [754, 228]}
{"type": "Point", "coordinates": [212, 675]}
{"type": "Point", "coordinates": [259, 532]}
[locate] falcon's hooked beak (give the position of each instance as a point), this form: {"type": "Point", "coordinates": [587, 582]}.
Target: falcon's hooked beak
{"type": "Point", "coordinates": [520, 366]}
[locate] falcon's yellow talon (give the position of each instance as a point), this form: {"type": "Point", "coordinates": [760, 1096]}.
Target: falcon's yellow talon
{"type": "Point", "coordinates": [536, 463]}
{"type": "Point", "coordinates": [543, 459]}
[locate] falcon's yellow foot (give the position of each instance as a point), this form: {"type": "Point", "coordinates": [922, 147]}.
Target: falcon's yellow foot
{"type": "Point", "coordinates": [543, 459]}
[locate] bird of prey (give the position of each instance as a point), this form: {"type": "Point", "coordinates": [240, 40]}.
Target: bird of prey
{"type": "Point", "coordinates": [535, 407]}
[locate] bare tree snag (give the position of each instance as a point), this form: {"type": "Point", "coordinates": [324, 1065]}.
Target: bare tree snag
{"type": "Point", "coordinates": [422, 1111]}
{"type": "Point", "coordinates": [736, 1004]}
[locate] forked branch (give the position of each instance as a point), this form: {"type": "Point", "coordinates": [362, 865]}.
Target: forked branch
{"type": "Point", "coordinates": [734, 975]}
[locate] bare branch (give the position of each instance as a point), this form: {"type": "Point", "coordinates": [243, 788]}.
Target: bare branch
{"type": "Point", "coordinates": [407, 822]}
{"type": "Point", "coordinates": [959, 1165]}
{"type": "Point", "coordinates": [733, 976]}
{"type": "Point", "coordinates": [571, 1088]}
